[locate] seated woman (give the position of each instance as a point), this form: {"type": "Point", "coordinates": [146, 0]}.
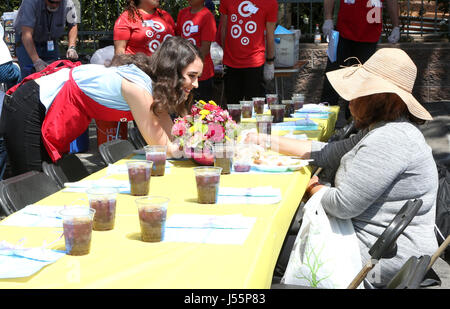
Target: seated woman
{"type": "Point", "coordinates": [384, 165]}
{"type": "Point", "coordinates": [44, 115]}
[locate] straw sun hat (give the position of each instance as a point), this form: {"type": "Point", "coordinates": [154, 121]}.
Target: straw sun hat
{"type": "Point", "coordinates": [389, 70]}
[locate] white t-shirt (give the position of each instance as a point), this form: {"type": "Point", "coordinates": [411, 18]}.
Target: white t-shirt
{"type": "Point", "coordinates": [5, 56]}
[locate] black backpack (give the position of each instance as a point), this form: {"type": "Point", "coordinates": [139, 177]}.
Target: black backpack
{"type": "Point", "coordinates": [443, 205]}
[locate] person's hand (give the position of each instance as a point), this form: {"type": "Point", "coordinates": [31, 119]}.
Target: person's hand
{"type": "Point", "coordinates": [71, 53]}
{"type": "Point", "coordinates": [251, 138]}
{"type": "Point", "coordinates": [313, 186]}
{"type": "Point", "coordinates": [269, 71]}
{"type": "Point", "coordinates": [327, 27]}
{"type": "Point", "coordinates": [40, 64]}
{"type": "Point", "coordinates": [395, 35]}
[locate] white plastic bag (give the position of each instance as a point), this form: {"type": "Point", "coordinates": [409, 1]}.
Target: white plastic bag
{"type": "Point", "coordinates": [326, 251]}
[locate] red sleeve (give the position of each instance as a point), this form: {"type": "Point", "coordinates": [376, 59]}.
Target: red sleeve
{"type": "Point", "coordinates": [122, 28]}
{"type": "Point", "coordinates": [209, 28]}
{"type": "Point", "coordinates": [272, 13]}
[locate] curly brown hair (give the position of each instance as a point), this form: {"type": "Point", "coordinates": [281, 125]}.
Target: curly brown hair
{"type": "Point", "coordinates": [165, 68]}
{"type": "Point", "coordinates": [133, 11]}
{"type": "Point", "coordinates": [167, 65]}
{"type": "Point", "coordinates": [378, 107]}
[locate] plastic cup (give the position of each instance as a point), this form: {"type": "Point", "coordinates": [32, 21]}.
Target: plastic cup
{"type": "Point", "coordinates": [157, 154]}
{"type": "Point", "coordinates": [247, 109]}
{"type": "Point", "coordinates": [235, 111]}
{"type": "Point", "coordinates": [139, 173]}
{"type": "Point", "coordinates": [103, 200]}
{"type": "Point", "coordinates": [298, 99]}
{"type": "Point", "coordinates": [258, 105]}
{"type": "Point", "coordinates": [277, 112]}
{"type": "Point", "coordinates": [77, 226]}
{"type": "Point", "coordinates": [223, 155]}
{"type": "Point", "coordinates": [207, 179]}
{"type": "Point", "coordinates": [289, 107]}
{"type": "Point", "coordinates": [264, 125]}
{"type": "Point", "coordinates": [242, 159]}
{"type": "Point", "coordinates": [271, 99]}
{"type": "Point", "coordinates": [152, 217]}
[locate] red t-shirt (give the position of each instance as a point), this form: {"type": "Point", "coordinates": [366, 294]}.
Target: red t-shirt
{"type": "Point", "coordinates": [144, 36]}
{"type": "Point", "coordinates": [245, 44]}
{"type": "Point", "coordinates": [359, 21]}
{"type": "Point", "coordinates": [196, 28]}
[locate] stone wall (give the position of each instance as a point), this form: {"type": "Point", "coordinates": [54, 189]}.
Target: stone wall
{"type": "Point", "coordinates": [432, 61]}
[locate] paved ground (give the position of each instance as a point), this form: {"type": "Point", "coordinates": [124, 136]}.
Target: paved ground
{"type": "Point", "coordinates": [436, 132]}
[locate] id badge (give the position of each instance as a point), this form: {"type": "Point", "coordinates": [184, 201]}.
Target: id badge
{"type": "Point", "coordinates": [194, 29]}
{"type": "Point", "coordinates": [349, 1]}
{"type": "Point", "coordinates": [50, 46]}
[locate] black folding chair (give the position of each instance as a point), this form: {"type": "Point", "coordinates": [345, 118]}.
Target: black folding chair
{"type": "Point", "coordinates": [25, 189]}
{"type": "Point", "coordinates": [136, 138]}
{"type": "Point", "coordinates": [115, 150]}
{"type": "Point", "coordinates": [385, 246]}
{"type": "Point", "coordinates": [68, 169]}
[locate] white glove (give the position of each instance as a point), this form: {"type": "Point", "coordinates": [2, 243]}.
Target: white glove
{"type": "Point", "coordinates": [395, 35]}
{"type": "Point", "coordinates": [327, 27]}
{"type": "Point", "coordinates": [40, 64]}
{"type": "Point", "coordinates": [71, 54]}
{"type": "Point", "coordinates": [269, 71]}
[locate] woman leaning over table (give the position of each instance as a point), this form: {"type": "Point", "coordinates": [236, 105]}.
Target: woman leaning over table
{"type": "Point", "coordinates": [142, 28]}
{"type": "Point", "coordinates": [44, 115]}
{"type": "Point", "coordinates": [384, 165]}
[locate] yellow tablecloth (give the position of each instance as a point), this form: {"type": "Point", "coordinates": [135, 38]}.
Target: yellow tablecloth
{"type": "Point", "coordinates": [119, 259]}
{"type": "Point", "coordinates": [326, 126]}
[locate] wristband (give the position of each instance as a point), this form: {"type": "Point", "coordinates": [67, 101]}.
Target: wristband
{"type": "Point", "coordinates": [72, 47]}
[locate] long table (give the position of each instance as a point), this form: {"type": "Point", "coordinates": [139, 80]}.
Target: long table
{"type": "Point", "coordinates": [119, 259]}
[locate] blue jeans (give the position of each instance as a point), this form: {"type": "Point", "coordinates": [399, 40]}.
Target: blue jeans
{"type": "Point", "coordinates": [9, 74]}
{"type": "Point", "coordinates": [26, 65]}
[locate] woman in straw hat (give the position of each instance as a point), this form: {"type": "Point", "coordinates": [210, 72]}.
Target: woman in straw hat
{"type": "Point", "coordinates": [384, 165]}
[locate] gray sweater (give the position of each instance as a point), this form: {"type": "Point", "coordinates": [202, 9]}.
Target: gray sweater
{"type": "Point", "coordinates": [377, 172]}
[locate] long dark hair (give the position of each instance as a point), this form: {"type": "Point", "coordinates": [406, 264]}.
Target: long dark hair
{"type": "Point", "coordinates": [167, 65]}
{"type": "Point", "coordinates": [133, 11]}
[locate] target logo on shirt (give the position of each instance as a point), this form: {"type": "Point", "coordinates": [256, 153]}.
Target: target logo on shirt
{"type": "Point", "coordinates": [242, 27]}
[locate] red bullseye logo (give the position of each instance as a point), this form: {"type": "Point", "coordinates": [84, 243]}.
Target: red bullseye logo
{"type": "Point", "coordinates": [250, 27]}
{"type": "Point", "coordinates": [153, 45]}
{"type": "Point", "coordinates": [236, 31]}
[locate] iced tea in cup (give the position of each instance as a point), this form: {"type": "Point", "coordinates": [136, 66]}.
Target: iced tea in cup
{"type": "Point", "coordinates": [264, 126]}
{"type": "Point", "coordinates": [289, 107]}
{"type": "Point", "coordinates": [157, 154]}
{"type": "Point", "coordinates": [247, 109]}
{"type": "Point", "coordinates": [207, 179]}
{"type": "Point", "coordinates": [103, 200]}
{"type": "Point", "coordinates": [258, 105]}
{"type": "Point", "coordinates": [242, 159]}
{"type": "Point", "coordinates": [139, 173]}
{"type": "Point", "coordinates": [235, 111]}
{"type": "Point", "coordinates": [77, 225]}
{"type": "Point", "coordinates": [271, 99]}
{"type": "Point", "coordinates": [152, 217]}
{"type": "Point", "coordinates": [298, 99]}
{"type": "Point", "coordinates": [277, 112]}
{"type": "Point", "coordinates": [223, 155]}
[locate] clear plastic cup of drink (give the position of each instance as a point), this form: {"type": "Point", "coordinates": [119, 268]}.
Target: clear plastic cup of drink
{"type": "Point", "coordinates": [223, 155]}
{"type": "Point", "coordinates": [258, 104]}
{"type": "Point", "coordinates": [207, 179]}
{"type": "Point", "coordinates": [247, 109]}
{"type": "Point", "coordinates": [264, 126]}
{"type": "Point", "coordinates": [289, 107]}
{"type": "Point", "coordinates": [103, 200]}
{"type": "Point", "coordinates": [152, 217]}
{"type": "Point", "coordinates": [156, 154]}
{"type": "Point", "coordinates": [298, 99]}
{"type": "Point", "coordinates": [77, 226]}
{"type": "Point", "coordinates": [139, 173]}
{"type": "Point", "coordinates": [235, 111]}
{"type": "Point", "coordinates": [271, 98]}
{"type": "Point", "coordinates": [277, 112]}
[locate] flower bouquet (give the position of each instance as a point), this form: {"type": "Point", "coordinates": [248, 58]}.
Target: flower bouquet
{"type": "Point", "coordinates": [198, 132]}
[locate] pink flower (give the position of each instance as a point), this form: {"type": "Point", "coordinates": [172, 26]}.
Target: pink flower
{"type": "Point", "coordinates": [179, 128]}
{"type": "Point", "coordinates": [216, 132]}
